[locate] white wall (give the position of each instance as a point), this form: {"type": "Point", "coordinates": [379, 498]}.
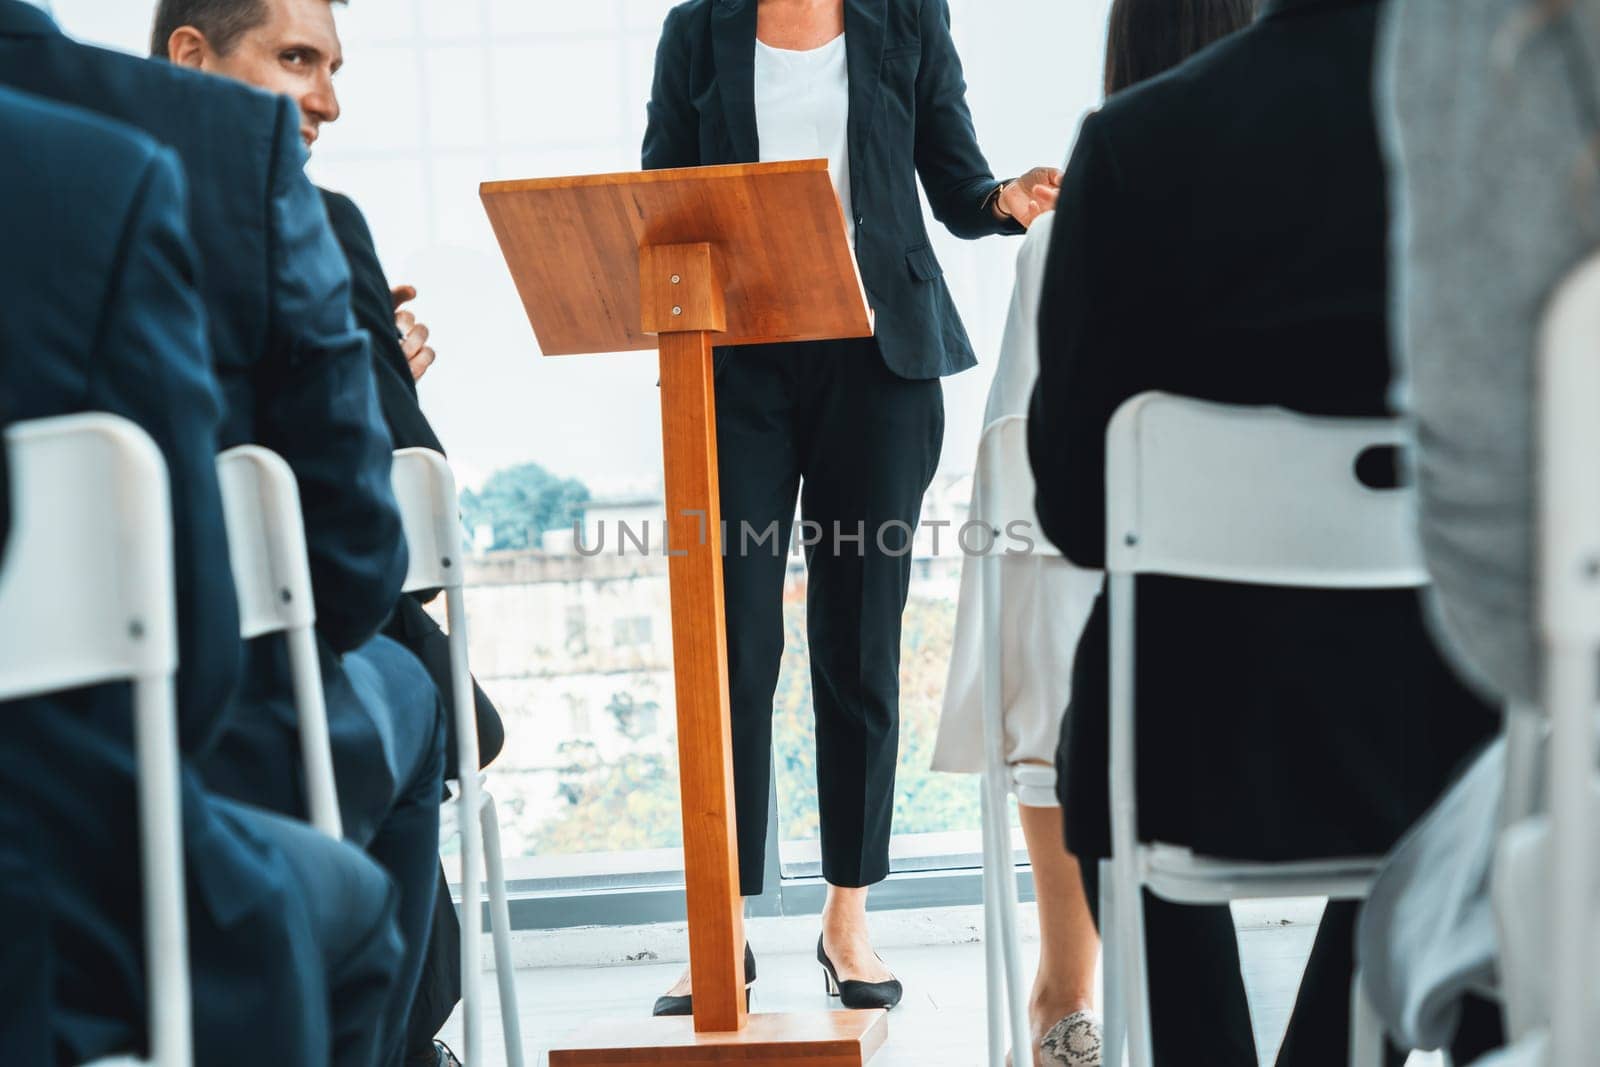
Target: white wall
{"type": "Point", "coordinates": [442, 94]}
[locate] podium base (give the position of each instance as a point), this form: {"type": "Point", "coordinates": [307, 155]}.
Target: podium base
{"type": "Point", "coordinates": [820, 1039]}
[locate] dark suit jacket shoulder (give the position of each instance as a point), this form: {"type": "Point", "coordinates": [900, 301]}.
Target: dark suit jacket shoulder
{"type": "Point", "coordinates": [908, 119]}
{"type": "Point", "coordinates": [110, 321]}
{"type": "Point", "coordinates": [373, 306]}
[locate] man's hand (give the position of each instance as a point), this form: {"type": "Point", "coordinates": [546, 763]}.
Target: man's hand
{"type": "Point", "coordinates": [1030, 196]}
{"type": "Point", "coordinates": [413, 334]}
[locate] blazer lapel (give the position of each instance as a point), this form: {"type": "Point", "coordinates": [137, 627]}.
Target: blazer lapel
{"type": "Point", "coordinates": [733, 43]}
{"type": "Point", "coordinates": [865, 32]}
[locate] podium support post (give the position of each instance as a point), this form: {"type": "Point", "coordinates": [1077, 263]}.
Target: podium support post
{"type": "Point", "coordinates": [682, 302]}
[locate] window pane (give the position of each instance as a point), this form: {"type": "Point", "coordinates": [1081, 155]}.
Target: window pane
{"type": "Point", "coordinates": [576, 653]}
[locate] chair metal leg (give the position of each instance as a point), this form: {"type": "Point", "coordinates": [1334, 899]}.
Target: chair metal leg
{"type": "Point", "coordinates": [1571, 695]}
{"type": "Point", "coordinates": [993, 953]}
{"type": "Point", "coordinates": [166, 920]}
{"type": "Point", "coordinates": [1113, 1012]}
{"type": "Point", "coordinates": [500, 924]}
{"type": "Point", "coordinates": [1366, 1029]}
{"type": "Point", "coordinates": [1005, 874]}
{"type": "Point", "coordinates": [1135, 981]}
{"type": "Point", "coordinates": [466, 727]}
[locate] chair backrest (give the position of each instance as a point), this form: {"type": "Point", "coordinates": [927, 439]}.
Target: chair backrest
{"type": "Point", "coordinates": [272, 577]}
{"type": "Point", "coordinates": [266, 541]}
{"type": "Point", "coordinates": [1568, 553]}
{"type": "Point", "coordinates": [87, 597]}
{"type": "Point", "coordinates": [1255, 495]}
{"type": "Point", "coordinates": [86, 594]}
{"type": "Point", "coordinates": [425, 490]}
{"type": "Point", "coordinates": [1004, 488]}
{"type": "Point", "coordinates": [1569, 524]}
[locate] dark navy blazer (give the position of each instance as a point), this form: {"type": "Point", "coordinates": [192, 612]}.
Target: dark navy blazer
{"type": "Point", "coordinates": [296, 374]}
{"type": "Point", "coordinates": [102, 315]}
{"type": "Point", "coordinates": [908, 117]}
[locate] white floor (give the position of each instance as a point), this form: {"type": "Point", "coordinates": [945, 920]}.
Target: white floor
{"type": "Point", "coordinates": [940, 1023]}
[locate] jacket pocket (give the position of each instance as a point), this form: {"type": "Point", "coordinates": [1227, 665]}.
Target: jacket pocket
{"type": "Point", "coordinates": [924, 264]}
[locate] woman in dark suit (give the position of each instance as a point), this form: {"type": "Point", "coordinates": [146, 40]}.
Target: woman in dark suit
{"type": "Point", "coordinates": [853, 428]}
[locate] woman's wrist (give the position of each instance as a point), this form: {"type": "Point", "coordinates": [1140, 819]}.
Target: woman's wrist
{"type": "Point", "coordinates": [995, 202]}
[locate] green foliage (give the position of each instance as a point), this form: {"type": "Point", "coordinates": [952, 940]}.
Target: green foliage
{"type": "Point", "coordinates": [521, 503]}
{"type": "Point", "coordinates": [612, 807]}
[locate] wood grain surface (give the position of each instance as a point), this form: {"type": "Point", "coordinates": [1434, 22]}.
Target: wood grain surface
{"type": "Point", "coordinates": [573, 248]}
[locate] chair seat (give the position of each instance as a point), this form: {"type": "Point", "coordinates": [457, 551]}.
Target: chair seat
{"type": "Point", "coordinates": [1179, 875]}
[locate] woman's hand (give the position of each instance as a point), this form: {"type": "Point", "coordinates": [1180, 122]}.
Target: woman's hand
{"type": "Point", "coordinates": [1030, 196]}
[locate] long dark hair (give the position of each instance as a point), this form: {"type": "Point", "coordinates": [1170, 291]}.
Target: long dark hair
{"type": "Point", "coordinates": [1147, 37]}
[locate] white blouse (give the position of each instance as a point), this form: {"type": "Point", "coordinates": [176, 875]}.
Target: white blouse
{"type": "Point", "coordinates": [1045, 601]}
{"type": "Point", "coordinates": [803, 111]}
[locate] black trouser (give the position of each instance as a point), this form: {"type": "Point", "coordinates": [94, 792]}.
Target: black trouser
{"type": "Point", "coordinates": [829, 423]}
{"type": "Point", "coordinates": [1198, 1012]}
{"type": "Point", "coordinates": [414, 628]}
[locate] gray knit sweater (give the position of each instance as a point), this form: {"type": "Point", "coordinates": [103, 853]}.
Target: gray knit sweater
{"type": "Point", "coordinates": [1488, 111]}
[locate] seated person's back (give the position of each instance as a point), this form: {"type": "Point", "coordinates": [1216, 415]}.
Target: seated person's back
{"type": "Point", "coordinates": [297, 378]}
{"type": "Point", "coordinates": [1222, 234]}
{"type": "Point", "coordinates": [1225, 238]}
{"type": "Point", "coordinates": [294, 370]}
{"type": "Point", "coordinates": [108, 320]}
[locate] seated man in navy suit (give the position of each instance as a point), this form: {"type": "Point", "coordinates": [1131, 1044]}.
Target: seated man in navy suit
{"type": "Point", "coordinates": [247, 40]}
{"type": "Point", "coordinates": [290, 932]}
{"type": "Point", "coordinates": [296, 377]}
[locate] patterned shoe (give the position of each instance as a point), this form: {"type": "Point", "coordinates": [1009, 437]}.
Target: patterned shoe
{"type": "Point", "coordinates": [1072, 1042]}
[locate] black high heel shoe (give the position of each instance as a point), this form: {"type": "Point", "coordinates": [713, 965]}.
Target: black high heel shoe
{"type": "Point", "coordinates": [685, 1005]}
{"type": "Point", "coordinates": [858, 995]}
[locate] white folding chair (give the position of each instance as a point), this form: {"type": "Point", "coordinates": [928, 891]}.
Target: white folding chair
{"type": "Point", "coordinates": [1569, 617]}
{"type": "Point", "coordinates": [426, 492]}
{"type": "Point", "coordinates": [1001, 500]}
{"type": "Point", "coordinates": [1245, 495]}
{"type": "Point", "coordinates": [272, 578]}
{"type": "Point", "coordinates": [86, 598]}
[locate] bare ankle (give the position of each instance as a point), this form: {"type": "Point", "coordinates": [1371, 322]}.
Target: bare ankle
{"type": "Point", "coordinates": [1051, 1002]}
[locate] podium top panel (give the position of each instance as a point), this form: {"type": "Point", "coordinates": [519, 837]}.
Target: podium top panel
{"type": "Point", "coordinates": [573, 247]}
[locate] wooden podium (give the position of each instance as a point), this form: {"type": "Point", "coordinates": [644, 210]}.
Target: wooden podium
{"type": "Point", "coordinates": [682, 259]}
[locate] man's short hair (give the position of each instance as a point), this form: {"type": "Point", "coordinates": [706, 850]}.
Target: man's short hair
{"type": "Point", "coordinates": [222, 21]}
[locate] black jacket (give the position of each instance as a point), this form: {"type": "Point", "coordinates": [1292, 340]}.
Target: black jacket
{"type": "Point", "coordinates": [908, 117]}
{"type": "Point", "coordinates": [373, 306]}
{"type": "Point", "coordinates": [1222, 234]}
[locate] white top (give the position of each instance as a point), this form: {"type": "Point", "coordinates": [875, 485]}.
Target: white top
{"type": "Point", "coordinates": [1044, 600]}
{"type": "Point", "coordinates": [803, 112]}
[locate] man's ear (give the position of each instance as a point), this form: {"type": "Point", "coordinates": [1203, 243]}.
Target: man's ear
{"type": "Point", "coordinates": [188, 47]}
